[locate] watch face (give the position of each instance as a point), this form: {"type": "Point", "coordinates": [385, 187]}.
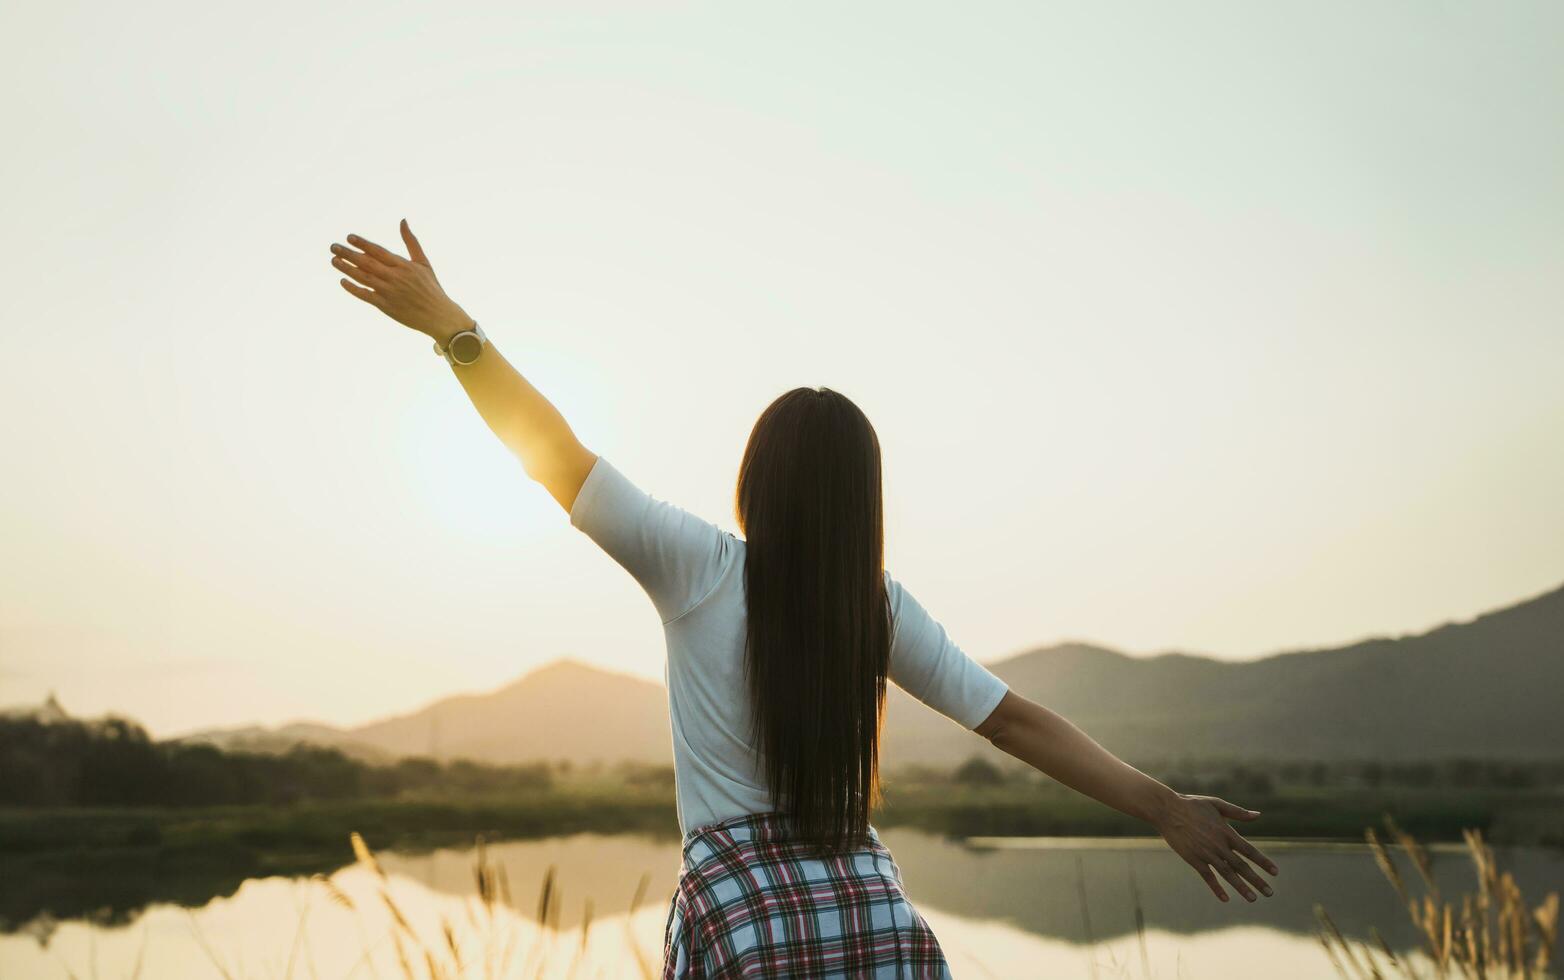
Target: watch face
{"type": "Point", "coordinates": [465, 347]}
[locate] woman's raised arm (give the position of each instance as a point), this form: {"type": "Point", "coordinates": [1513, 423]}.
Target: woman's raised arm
{"type": "Point", "coordinates": [406, 290]}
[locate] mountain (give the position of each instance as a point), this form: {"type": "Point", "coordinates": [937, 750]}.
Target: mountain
{"type": "Point", "coordinates": [1492, 687]}
{"type": "Point", "coordinates": [562, 710]}
{"type": "Point", "coordinates": [537, 717]}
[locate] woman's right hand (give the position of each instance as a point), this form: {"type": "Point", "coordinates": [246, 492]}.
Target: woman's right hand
{"type": "Point", "coordinates": [405, 290]}
{"type": "Point", "coordinates": [1196, 828]}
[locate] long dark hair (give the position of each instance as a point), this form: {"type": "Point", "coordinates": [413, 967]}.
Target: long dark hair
{"type": "Point", "coordinates": [818, 635]}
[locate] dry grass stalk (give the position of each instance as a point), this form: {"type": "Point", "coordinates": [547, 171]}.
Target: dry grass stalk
{"type": "Point", "coordinates": [364, 855]}
{"type": "Point", "coordinates": [504, 886]}
{"type": "Point", "coordinates": [333, 892]}
{"type": "Point", "coordinates": [141, 955]}
{"type": "Point", "coordinates": [397, 916]}
{"type": "Point", "coordinates": [1418, 854]}
{"type": "Point", "coordinates": [1140, 923]}
{"type": "Point", "coordinates": [1547, 915]}
{"type": "Point", "coordinates": [641, 963]}
{"type": "Point", "coordinates": [586, 928]}
{"type": "Point", "coordinates": [298, 934]}
{"type": "Point", "coordinates": [481, 873]}
{"type": "Point", "coordinates": [1469, 932]}
{"type": "Point", "coordinates": [1086, 917]}
{"type": "Point", "coordinates": [401, 955]}
{"type": "Point", "coordinates": [1386, 865]}
{"type": "Point", "coordinates": [1325, 936]}
{"type": "Point", "coordinates": [547, 895]}
{"type": "Point", "coordinates": [1446, 937]}
{"type": "Point", "coordinates": [1330, 934]}
{"type": "Point", "coordinates": [1401, 966]}
{"type": "Point", "coordinates": [1493, 935]}
{"type": "Point", "coordinates": [211, 954]}
{"type": "Point", "coordinates": [548, 900]}
{"type": "Point", "coordinates": [450, 942]}
{"type": "Point", "coordinates": [506, 955]}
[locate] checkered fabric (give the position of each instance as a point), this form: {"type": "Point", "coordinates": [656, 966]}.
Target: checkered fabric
{"type": "Point", "coordinates": [753, 902]}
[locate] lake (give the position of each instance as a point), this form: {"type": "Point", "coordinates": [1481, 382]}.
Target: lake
{"type": "Point", "coordinates": [1015, 907]}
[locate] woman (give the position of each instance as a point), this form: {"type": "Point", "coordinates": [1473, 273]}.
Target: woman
{"type": "Point", "coordinates": [779, 648]}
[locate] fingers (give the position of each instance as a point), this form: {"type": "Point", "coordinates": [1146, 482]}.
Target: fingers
{"type": "Point", "coordinates": [1234, 810]}
{"type": "Point", "coordinates": [376, 252]}
{"type": "Point", "coordinates": [415, 250]}
{"type": "Point", "coordinates": [1216, 851]}
{"type": "Point", "coordinates": [363, 275]}
{"type": "Point", "coordinates": [366, 295]}
{"type": "Point", "coordinates": [1210, 879]}
{"type": "Point", "coordinates": [1227, 868]}
{"type": "Point", "coordinates": [1253, 853]}
{"type": "Point", "coordinates": [1249, 874]}
{"type": "Point", "coordinates": [361, 259]}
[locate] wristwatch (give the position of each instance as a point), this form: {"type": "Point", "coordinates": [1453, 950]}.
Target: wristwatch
{"type": "Point", "coordinates": [464, 347]}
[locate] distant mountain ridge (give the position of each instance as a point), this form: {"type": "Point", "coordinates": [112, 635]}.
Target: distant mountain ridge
{"type": "Point", "coordinates": [257, 738]}
{"type": "Point", "coordinates": [564, 709]}
{"type": "Point", "coordinates": [1492, 687]}
{"type": "Point", "coordinates": [539, 716]}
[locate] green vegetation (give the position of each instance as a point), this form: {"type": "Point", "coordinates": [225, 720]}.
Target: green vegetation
{"type": "Point", "coordinates": [101, 802]}
{"type": "Point", "coordinates": [271, 833]}
{"type": "Point", "coordinates": [641, 800]}
{"type": "Point", "coordinates": [1043, 810]}
{"type": "Point", "coordinates": [93, 787]}
{"type": "Point", "coordinates": [110, 861]}
{"type": "Point", "coordinates": [114, 762]}
{"type": "Point", "coordinates": [1511, 803]}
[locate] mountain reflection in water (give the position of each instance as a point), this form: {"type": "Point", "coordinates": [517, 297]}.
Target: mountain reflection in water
{"type": "Point", "coordinates": [1000, 908]}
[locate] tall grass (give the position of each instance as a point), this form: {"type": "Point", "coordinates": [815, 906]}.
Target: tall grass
{"type": "Point", "coordinates": [1492, 934]}
{"type": "Point", "coordinates": [500, 944]}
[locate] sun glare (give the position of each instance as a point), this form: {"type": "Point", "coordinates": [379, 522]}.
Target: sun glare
{"type": "Point", "coordinates": [467, 479]}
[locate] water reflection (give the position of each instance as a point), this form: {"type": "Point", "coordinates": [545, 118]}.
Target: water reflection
{"type": "Point", "coordinates": [1006, 909]}
{"type": "Point", "coordinates": [1036, 884]}
{"type": "Point", "coordinates": [588, 867]}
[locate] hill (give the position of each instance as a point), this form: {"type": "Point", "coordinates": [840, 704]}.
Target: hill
{"type": "Point", "coordinates": [1492, 687]}
{"type": "Point", "coordinates": [561, 710]}
{"type": "Point", "coordinates": [538, 717]}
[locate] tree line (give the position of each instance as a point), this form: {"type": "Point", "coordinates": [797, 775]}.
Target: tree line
{"type": "Point", "coordinates": [1249, 776]}
{"type": "Point", "coordinates": [114, 762]}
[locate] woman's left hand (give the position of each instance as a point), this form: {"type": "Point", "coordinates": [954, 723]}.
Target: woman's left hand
{"type": "Point", "coordinates": [1196, 828]}
{"type": "Point", "coordinates": [405, 290]}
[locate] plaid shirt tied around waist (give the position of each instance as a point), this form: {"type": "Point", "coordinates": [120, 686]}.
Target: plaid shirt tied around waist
{"type": "Point", "coordinates": [754, 902]}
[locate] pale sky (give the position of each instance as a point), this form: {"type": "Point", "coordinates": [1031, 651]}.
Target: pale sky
{"type": "Point", "coordinates": [1223, 328]}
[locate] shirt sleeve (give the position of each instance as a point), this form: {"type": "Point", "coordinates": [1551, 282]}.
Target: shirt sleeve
{"type": "Point", "coordinates": [927, 664]}
{"type": "Point", "coordinates": [676, 557]}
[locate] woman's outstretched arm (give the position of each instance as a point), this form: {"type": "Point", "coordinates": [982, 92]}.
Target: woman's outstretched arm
{"type": "Point", "coordinates": [406, 290]}
{"type": "Point", "coordinates": [1195, 827]}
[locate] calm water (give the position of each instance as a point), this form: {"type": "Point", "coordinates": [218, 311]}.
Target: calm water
{"type": "Point", "coordinates": [1009, 908]}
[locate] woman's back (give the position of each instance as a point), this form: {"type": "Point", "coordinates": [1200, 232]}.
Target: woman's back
{"type": "Point", "coordinates": [693, 571]}
{"type": "Point", "coordinates": [755, 896]}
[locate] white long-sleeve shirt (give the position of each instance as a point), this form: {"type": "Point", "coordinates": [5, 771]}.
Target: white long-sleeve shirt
{"type": "Point", "coordinates": [693, 571]}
